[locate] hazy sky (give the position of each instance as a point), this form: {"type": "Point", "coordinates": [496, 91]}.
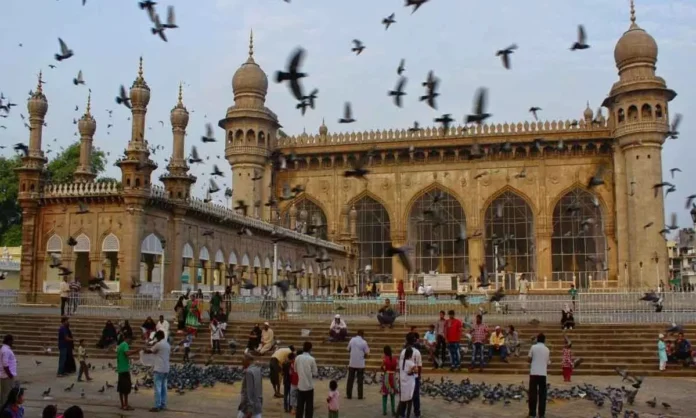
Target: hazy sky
{"type": "Point", "coordinates": [455, 38]}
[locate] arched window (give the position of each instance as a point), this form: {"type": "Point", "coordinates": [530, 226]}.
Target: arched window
{"type": "Point", "coordinates": [509, 240]}
{"type": "Point", "coordinates": [250, 137]}
{"type": "Point", "coordinates": [436, 232]}
{"type": "Point", "coordinates": [374, 236]}
{"type": "Point", "coordinates": [578, 244]}
{"type": "Point", "coordinates": [310, 218]}
{"type": "Point", "coordinates": [632, 113]}
{"type": "Point", "coordinates": [646, 112]}
{"type": "Point", "coordinates": [621, 116]}
{"type": "Point", "coordinates": [658, 111]}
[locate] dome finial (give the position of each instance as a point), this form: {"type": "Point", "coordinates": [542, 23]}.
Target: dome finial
{"type": "Point", "coordinates": [89, 103]}
{"type": "Point", "coordinates": [633, 12]}
{"type": "Point", "coordinates": [39, 87]}
{"type": "Point", "coordinates": [140, 69]}
{"type": "Point", "coordinates": [251, 43]}
{"type": "Point", "coordinates": [181, 94]}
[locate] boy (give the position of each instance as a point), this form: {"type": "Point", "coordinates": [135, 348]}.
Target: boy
{"type": "Point", "coordinates": [123, 352]}
{"type": "Point", "coordinates": [187, 347]}
{"type": "Point", "coordinates": [567, 361]}
{"type": "Point", "coordinates": [82, 358]}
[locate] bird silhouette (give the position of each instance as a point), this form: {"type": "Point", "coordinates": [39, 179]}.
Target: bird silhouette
{"type": "Point", "coordinates": [293, 74]}
{"type": "Point", "coordinates": [398, 91]}
{"type": "Point", "coordinates": [504, 55]}
{"type": "Point", "coordinates": [358, 46]}
{"type": "Point", "coordinates": [581, 43]}
{"type": "Point", "coordinates": [123, 98]}
{"type": "Point", "coordinates": [347, 114]}
{"type": "Point", "coordinates": [387, 21]}
{"type": "Point", "coordinates": [65, 52]}
{"type": "Point", "coordinates": [479, 113]}
{"type": "Point", "coordinates": [79, 79]}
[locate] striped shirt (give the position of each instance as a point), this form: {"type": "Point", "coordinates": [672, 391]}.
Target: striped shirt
{"type": "Point", "coordinates": [478, 333]}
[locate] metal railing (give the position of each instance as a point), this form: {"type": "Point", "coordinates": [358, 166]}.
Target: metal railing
{"type": "Point", "coordinates": [589, 308]}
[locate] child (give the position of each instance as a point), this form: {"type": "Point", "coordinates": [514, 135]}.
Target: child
{"type": "Point", "coordinates": [294, 381]}
{"type": "Point", "coordinates": [662, 352]}
{"type": "Point", "coordinates": [287, 382]}
{"type": "Point", "coordinates": [215, 336]}
{"type": "Point", "coordinates": [50, 411]}
{"type": "Point", "coordinates": [567, 361]}
{"type": "Point", "coordinates": [187, 346]}
{"type": "Point", "coordinates": [82, 358]}
{"type": "Point", "coordinates": [332, 399]}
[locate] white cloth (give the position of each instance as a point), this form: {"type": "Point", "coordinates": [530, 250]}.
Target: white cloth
{"type": "Point", "coordinates": [407, 382]}
{"type": "Point", "coordinates": [164, 327]}
{"type": "Point", "coordinates": [358, 349]}
{"type": "Point", "coordinates": [306, 368]}
{"type": "Point", "coordinates": [524, 286]}
{"type": "Point", "coordinates": [338, 326]}
{"type": "Point", "coordinates": [417, 358]}
{"type": "Point", "coordinates": [64, 289]}
{"type": "Point", "coordinates": [429, 290]}
{"type": "Point", "coordinates": [421, 290]}
{"type": "Point", "coordinates": [215, 331]}
{"type": "Point", "coordinates": [540, 355]}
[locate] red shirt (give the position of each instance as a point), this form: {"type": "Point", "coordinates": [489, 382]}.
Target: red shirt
{"type": "Point", "coordinates": [294, 377]}
{"type": "Point", "coordinates": [453, 330]}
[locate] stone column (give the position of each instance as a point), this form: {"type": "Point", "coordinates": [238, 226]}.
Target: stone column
{"type": "Point", "coordinates": [132, 240]}
{"type": "Point", "coordinates": [621, 193]}
{"type": "Point", "coordinates": [543, 251]}
{"type": "Point", "coordinates": [28, 280]}
{"type": "Point", "coordinates": [353, 215]}
{"type": "Point", "coordinates": [293, 217]}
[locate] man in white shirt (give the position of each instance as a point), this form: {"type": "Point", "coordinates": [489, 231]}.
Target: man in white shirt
{"type": "Point", "coordinates": [8, 371]}
{"type": "Point", "coordinates": [306, 369]}
{"type": "Point", "coordinates": [429, 290]}
{"type": "Point", "coordinates": [359, 350]}
{"type": "Point", "coordinates": [539, 359]}
{"type": "Point", "coordinates": [418, 360]}
{"type": "Point", "coordinates": [163, 325]}
{"type": "Point", "coordinates": [64, 295]}
{"type": "Point", "coordinates": [161, 350]}
{"type": "Point", "coordinates": [523, 289]}
{"type": "Point", "coordinates": [338, 331]}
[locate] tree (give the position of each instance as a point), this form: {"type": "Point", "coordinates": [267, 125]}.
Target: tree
{"type": "Point", "coordinates": [60, 170]}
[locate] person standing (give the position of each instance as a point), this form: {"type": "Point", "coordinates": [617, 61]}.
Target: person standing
{"type": "Point", "coordinates": [275, 366]}
{"type": "Point", "coordinates": [417, 359]}
{"type": "Point", "coordinates": [573, 292]}
{"type": "Point", "coordinates": [359, 350]}
{"type": "Point", "coordinates": [64, 345]}
{"type": "Point", "coordinates": [306, 368]}
{"type": "Point", "coordinates": [123, 352]}
{"type": "Point", "coordinates": [661, 354]}
{"type": "Point", "coordinates": [82, 359]}
{"type": "Point", "coordinates": [523, 289]}
{"type": "Point", "coordinates": [479, 334]}
{"type": "Point", "coordinates": [8, 372]}
{"type": "Point", "coordinates": [441, 347]}
{"type": "Point", "coordinates": [74, 296]}
{"type": "Point", "coordinates": [161, 350]}
{"type": "Point", "coordinates": [539, 360]}
{"type": "Point", "coordinates": [251, 396]}
{"type": "Point", "coordinates": [64, 296]}
{"type": "Point", "coordinates": [453, 335]}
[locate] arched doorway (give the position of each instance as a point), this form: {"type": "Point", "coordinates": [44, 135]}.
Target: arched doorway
{"type": "Point", "coordinates": [510, 240]}
{"type": "Point", "coordinates": [54, 248]}
{"type": "Point", "coordinates": [151, 271]}
{"type": "Point", "coordinates": [217, 273]}
{"type": "Point", "coordinates": [374, 239]}
{"type": "Point", "coordinates": [310, 218]}
{"type": "Point", "coordinates": [110, 248]}
{"type": "Point", "coordinates": [578, 244]}
{"type": "Point", "coordinates": [83, 264]}
{"type": "Point", "coordinates": [188, 269]}
{"type": "Point", "coordinates": [203, 281]}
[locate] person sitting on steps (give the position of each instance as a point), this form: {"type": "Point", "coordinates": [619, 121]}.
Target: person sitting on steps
{"type": "Point", "coordinates": [386, 315]}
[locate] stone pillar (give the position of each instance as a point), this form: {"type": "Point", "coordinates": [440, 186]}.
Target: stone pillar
{"type": "Point", "coordinates": [175, 245]}
{"type": "Point", "coordinates": [353, 215]}
{"type": "Point", "coordinates": [544, 266]}
{"type": "Point", "coordinates": [209, 274]}
{"type": "Point", "coordinates": [293, 217]}
{"type": "Point", "coordinates": [622, 190]}
{"type": "Point", "coordinates": [28, 281]}
{"type": "Point", "coordinates": [132, 240]}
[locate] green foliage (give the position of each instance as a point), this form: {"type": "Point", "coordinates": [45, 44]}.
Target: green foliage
{"type": "Point", "coordinates": [108, 180]}
{"type": "Point", "coordinates": [60, 170]}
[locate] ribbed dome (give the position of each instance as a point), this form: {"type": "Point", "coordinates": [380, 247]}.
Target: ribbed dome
{"type": "Point", "coordinates": [588, 112]}
{"type": "Point", "coordinates": [250, 78]}
{"type": "Point", "coordinates": [636, 45]}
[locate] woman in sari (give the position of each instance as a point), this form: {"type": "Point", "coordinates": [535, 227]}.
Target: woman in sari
{"type": "Point", "coordinates": [193, 319]}
{"type": "Point", "coordinates": [108, 336]}
{"type": "Point", "coordinates": [389, 380]}
{"type": "Point", "coordinates": [126, 330]}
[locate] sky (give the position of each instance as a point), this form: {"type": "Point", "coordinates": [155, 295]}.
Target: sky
{"type": "Point", "coordinates": [457, 39]}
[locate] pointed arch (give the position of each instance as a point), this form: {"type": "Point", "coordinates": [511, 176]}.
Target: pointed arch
{"type": "Point", "coordinates": [513, 190]}
{"type": "Point", "coordinates": [316, 214]}
{"type": "Point", "coordinates": [203, 254]}
{"type": "Point", "coordinates": [438, 240]}
{"type": "Point", "coordinates": [578, 242]}
{"type": "Point", "coordinates": [151, 245]}
{"type": "Point", "coordinates": [187, 251]}
{"type": "Point", "coordinates": [434, 186]}
{"type": "Point", "coordinates": [232, 259]}
{"type": "Point", "coordinates": [577, 185]}
{"type": "Point", "coordinates": [267, 263]}
{"type": "Point", "coordinates": [373, 227]}
{"type": "Point", "coordinates": [111, 244]}
{"type": "Point", "coordinates": [83, 244]}
{"type": "Point", "coordinates": [54, 244]}
{"type": "Point", "coordinates": [367, 193]}
{"type": "Point", "coordinates": [509, 235]}
{"type": "Point", "coordinates": [257, 262]}
{"type": "Point", "coordinates": [219, 257]}
{"type": "Point", "coordinates": [245, 260]}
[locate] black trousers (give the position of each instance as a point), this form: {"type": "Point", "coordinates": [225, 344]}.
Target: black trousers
{"type": "Point", "coordinates": [537, 388]}
{"type": "Point", "coordinates": [441, 349]}
{"type": "Point", "coordinates": [352, 371]}
{"type": "Point", "coordinates": [305, 404]}
{"type": "Point", "coordinates": [63, 302]}
{"type": "Point", "coordinates": [216, 347]}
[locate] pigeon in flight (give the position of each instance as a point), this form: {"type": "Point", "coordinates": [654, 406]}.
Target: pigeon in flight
{"type": "Point", "coordinates": [65, 52]}
{"type": "Point", "coordinates": [504, 55]}
{"type": "Point", "coordinates": [387, 21]}
{"type": "Point", "coordinates": [79, 79]}
{"type": "Point", "coordinates": [479, 114]}
{"type": "Point", "coordinates": [533, 110]}
{"type": "Point", "coordinates": [416, 4]}
{"type": "Point", "coordinates": [581, 43]}
{"type": "Point", "coordinates": [347, 114]}
{"type": "Point", "coordinates": [293, 74]}
{"type": "Point", "coordinates": [123, 98]}
{"type": "Point", "coordinates": [398, 91]}
{"type": "Point", "coordinates": [358, 46]}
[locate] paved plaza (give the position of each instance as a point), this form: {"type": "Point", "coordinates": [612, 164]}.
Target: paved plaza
{"type": "Point", "coordinates": [222, 400]}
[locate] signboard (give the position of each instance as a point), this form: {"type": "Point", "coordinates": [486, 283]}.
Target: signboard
{"type": "Point", "coordinates": [439, 282]}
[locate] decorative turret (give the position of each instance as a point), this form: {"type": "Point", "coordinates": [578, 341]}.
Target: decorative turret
{"type": "Point", "coordinates": [136, 166]}
{"type": "Point", "coordinates": [87, 127]}
{"type": "Point", "coordinates": [588, 114]}
{"type": "Point", "coordinates": [323, 130]}
{"type": "Point", "coordinates": [638, 107]}
{"type": "Point", "coordinates": [250, 132]}
{"type": "Point", "coordinates": [33, 163]}
{"type": "Point", "coordinates": [177, 181]}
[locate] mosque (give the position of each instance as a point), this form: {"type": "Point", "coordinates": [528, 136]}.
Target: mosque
{"type": "Point", "coordinates": [561, 202]}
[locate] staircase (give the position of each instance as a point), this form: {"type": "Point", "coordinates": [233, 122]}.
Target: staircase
{"type": "Point", "coordinates": [603, 347]}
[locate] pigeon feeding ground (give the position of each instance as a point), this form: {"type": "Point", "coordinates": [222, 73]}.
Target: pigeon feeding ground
{"type": "Point", "coordinates": [476, 395]}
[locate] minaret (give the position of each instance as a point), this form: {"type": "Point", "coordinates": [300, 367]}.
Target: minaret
{"type": "Point", "coordinates": [136, 166]}
{"type": "Point", "coordinates": [30, 176]}
{"type": "Point", "coordinates": [250, 132]}
{"type": "Point", "coordinates": [176, 180]}
{"type": "Point", "coordinates": [87, 126]}
{"type": "Point", "coordinates": [638, 105]}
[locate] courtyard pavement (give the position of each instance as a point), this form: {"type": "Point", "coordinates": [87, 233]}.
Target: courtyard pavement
{"type": "Point", "coordinates": [222, 400]}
